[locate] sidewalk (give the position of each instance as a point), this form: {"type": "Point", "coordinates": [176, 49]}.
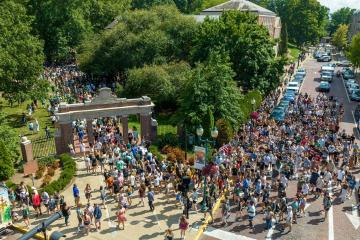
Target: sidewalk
{"type": "Point", "coordinates": [141, 223]}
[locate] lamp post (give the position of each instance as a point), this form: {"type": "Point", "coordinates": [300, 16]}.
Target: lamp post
{"type": "Point", "coordinates": [214, 134]}
{"type": "Point", "coordinates": [253, 101]}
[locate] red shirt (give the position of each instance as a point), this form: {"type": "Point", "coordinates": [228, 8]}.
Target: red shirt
{"type": "Point", "coordinates": [36, 200]}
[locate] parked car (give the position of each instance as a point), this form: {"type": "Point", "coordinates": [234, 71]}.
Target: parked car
{"type": "Point", "coordinates": [326, 76]}
{"type": "Point", "coordinates": [333, 65]}
{"type": "Point", "coordinates": [344, 63]}
{"type": "Point", "coordinates": [352, 87]}
{"type": "Point", "coordinates": [349, 82]}
{"type": "Point", "coordinates": [324, 58]}
{"type": "Point", "coordinates": [284, 104]}
{"type": "Point", "coordinates": [324, 86]}
{"type": "Point", "coordinates": [289, 96]}
{"type": "Point", "coordinates": [278, 114]}
{"type": "Point", "coordinates": [357, 113]}
{"type": "Point", "coordinates": [301, 71]}
{"type": "Point", "coordinates": [348, 74]}
{"type": "Point", "coordinates": [293, 86]}
{"type": "Point", "coordinates": [355, 95]}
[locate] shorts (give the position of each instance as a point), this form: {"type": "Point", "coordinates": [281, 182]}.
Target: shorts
{"type": "Point", "coordinates": [318, 190]}
{"type": "Point", "coordinates": [97, 220]}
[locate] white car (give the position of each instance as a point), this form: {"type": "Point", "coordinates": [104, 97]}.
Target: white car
{"type": "Point", "coordinates": [349, 82]}
{"type": "Point", "coordinates": [293, 86]}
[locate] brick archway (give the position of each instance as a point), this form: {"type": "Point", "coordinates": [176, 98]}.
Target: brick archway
{"type": "Point", "coordinates": [103, 105]}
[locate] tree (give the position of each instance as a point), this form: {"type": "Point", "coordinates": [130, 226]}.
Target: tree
{"type": "Point", "coordinates": [305, 19]}
{"type": "Point", "coordinates": [21, 56]}
{"type": "Point", "coordinates": [211, 88]}
{"type": "Point", "coordinates": [142, 37]}
{"type": "Point", "coordinates": [137, 4]}
{"type": "Point", "coordinates": [340, 17]}
{"type": "Point", "coordinates": [354, 51]}
{"type": "Point", "coordinates": [250, 47]}
{"type": "Point", "coordinates": [188, 6]}
{"type": "Point", "coordinates": [12, 141]}
{"type": "Point", "coordinates": [283, 45]}
{"type": "Point", "coordinates": [162, 83]}
{"type": "Point", "coordinates": [6, 162]}
{"type": "Point", "coordinates": [226, 133]}
{"type": "Point", "coordinates": [339, 38]}
{"type": "Point", "coordinates": [63, 25]}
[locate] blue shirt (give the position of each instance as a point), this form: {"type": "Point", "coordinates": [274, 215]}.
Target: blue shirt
{"type": "Point", "coordinates": [75, 191]}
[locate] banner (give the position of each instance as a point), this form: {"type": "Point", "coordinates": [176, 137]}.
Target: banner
{"type": "Point", "coordinates": [5, 208]}
{"type": "Point", "coordinates": [200, 155]}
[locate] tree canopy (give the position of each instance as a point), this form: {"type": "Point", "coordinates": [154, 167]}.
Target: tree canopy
{"type": "Point", "coordinates": [163, 83]}
{"type": "Point", "coordinates": [250, 47]}
{"type": "Point", "coordinates": [21, 55]}
{"type": "Point", "coordinates": [142, 37]}
{"type": "Point", "coordinates": [211, 88]}
{"type": "Point", "coordinates": [339, 17]}
{"type": "Point", "coordinates": [354, 50]}
{"type": "Point", "coordinates": [63, 25]}
{"type": "Point", "coordinates": [339, 38]}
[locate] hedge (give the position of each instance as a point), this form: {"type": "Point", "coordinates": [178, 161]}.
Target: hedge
{"type": "Point", "coordinates": [68, 171]}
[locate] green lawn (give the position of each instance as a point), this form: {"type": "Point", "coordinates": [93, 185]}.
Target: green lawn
{"type": "Point", "coordinates": [164, 124]}
{"type": "Point", "coordinates": [293, 52]}
{"type": "Point", "coordinates": [41, 147]}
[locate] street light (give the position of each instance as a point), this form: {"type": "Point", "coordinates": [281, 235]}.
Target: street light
{"type": "Point", "coordinates": [214, 134]}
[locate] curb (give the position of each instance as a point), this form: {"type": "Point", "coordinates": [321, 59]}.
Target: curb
{"type": "Point", "coordinates": [206, 222]}
{"type": "Point", "coordinates": [38, 236]}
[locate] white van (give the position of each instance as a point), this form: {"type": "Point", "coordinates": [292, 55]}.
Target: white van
{"type": "Point", "coordinates": [293, 86]}
{"type": "Point", "coordinates": [328, 69]}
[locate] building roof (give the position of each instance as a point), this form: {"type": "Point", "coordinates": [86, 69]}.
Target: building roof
{"type": "Point", "coordinates": [241, 5]}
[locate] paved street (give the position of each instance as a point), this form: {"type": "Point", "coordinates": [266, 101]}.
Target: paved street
{"type": "Point", "coordinates": [310, 226]}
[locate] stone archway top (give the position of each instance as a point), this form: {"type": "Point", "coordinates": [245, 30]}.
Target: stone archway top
{"type": "Point", "coordinates": [105, 104]}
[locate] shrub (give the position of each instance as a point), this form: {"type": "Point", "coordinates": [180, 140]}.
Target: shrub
{"type": "Point", "coordinates": [56, 164]}
{"type": "Point", "coordinates": [166, 149]}
{"type": "Point", "coordinates": [171, 157]}
{"type": "Point", "coordinates": [226, 133]}
{"type": "Point", "coordinates": [46, 161]}
{"type": "Point", "coordinates": [46, 180]}
{"type": "Point", "coordinates": [175, 153]}
{"type": "Point", "coordinates": [69, 170]}
{"type": "Point", "coordinates": [167, 139]}
{"type": "Point", "coordinates": [39, 173]}
{"type": "Point", "coordinates": [154, 150]}
{"type": "Point", "coordinates": [51, 171]}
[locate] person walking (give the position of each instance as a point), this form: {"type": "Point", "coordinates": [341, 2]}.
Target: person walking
{"type": "Point", "coordinates": [87, 222]}
{"type": "Point", "coordinates": [183, 225]}
{"type": "Point", "coordinates": [25, 215]}
{"type": "Point", "coordinates": [269, 215]}
{"type": "Point", "coordinates": [87, 192]}
{"type": "Point", "coordinates": [225, 211]}
{"type": "Point", "coordinates": [65, 210]}
{"type": "Point", "coordinates": [80, 217]}
{"type": "Point", "coordinates": [97, 216]}
{"type": "Point", "coordinates": [76, 194]}
{"type": "Point", "coordinates": [151, 199]}
{"type": "Point", "coordinates": [251, 214]}
{"type": "Point", "coordinates": [121, 216]}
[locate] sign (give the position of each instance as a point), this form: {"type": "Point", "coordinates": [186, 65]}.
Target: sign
{"type": "Point", "coordinates": [200, 157]}
{"type": "Point", "coordinates": [5, 208]}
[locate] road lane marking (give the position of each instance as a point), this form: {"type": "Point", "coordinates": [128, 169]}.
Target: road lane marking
{"type": "Point", "coordinates": [221, 234]}
{"type": "Point", "coordinates": [354, 217]}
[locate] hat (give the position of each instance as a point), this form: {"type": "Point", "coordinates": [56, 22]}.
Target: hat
{"type": "Point", "coordinates": [33, 188]}
{"type": "Point", "coordinates": [289, 208]}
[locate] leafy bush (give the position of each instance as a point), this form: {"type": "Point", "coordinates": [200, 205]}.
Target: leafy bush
{"type": "Point", "coordinates": [51, 171]}
{"type": "Point", "coordinates": [39, 173]}
{"type": "Point", "coordinates": [46, 180]}
{"type": "Point", "coordinates": [167, 139]}
{"type": "Point", "coordinates": [46, 161]}
{"type": "Point", "coordinates": [226, 133]}
{"type": "Point", "coordinates": [166, 149]}
{"type": "Point", "coordinates": [175, 153]}
{"type": "Point", "coordinates": [69, 170]}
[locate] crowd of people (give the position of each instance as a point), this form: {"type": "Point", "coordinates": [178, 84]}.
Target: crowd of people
{"type": "Point", "coordinates": [265, 157]}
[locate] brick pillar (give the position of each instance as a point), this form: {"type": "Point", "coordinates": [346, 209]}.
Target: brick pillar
{"type": "Point", "coordinates": [125, 128]}
{"type": "Point", "coordinates": [145, 121]}
{"type": "Point", "coordinates": [26, 149]}
{"type": "Point", "coordinates": [90, 131]}
{"type": "Point", "coordinates": [154, 126]}
{"type": "Point", "coordinates": [63, 137]}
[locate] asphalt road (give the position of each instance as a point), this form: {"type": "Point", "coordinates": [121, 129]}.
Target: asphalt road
{"type": "Point", "coordinates": [342, 223]}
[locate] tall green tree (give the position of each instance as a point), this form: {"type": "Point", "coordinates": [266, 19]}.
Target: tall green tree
{"type": "Point", "coordinates": [63, 25]}
{"type": "Point", "coordinates": [339, 17]}
{"type": "Point", "coordinates": [162, 83]}
{"type": "Point", "coordinates": [211, 88]}
{"type": "Point", "coordinates": [21, 56]}
{"type": "Point", "coordinates": [283, 44]}
{"type": "Point", "coordinates": [142, 37]}
{"type": "Point", "coordinates": [250, 47]}
{"type": "Point", "coordinates": [6, 162]}
{"type": "Point", "coordinates": [354, 51]}
{"type": "Point", "coordinates": [149, 3]}
{"type": "Point", "coordinates": [339, 38]}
